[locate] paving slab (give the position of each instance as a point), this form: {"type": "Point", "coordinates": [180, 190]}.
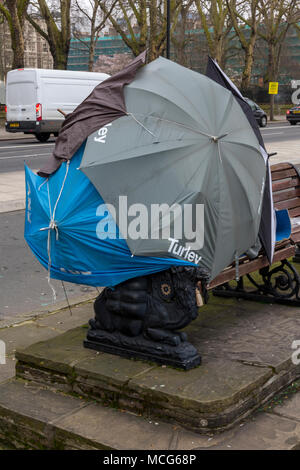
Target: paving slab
{"type": "Point", "coordinates": [26, 414]}
{"type": "Point", "coordinates": [12, 191]}
{"type": "Point", "coordinates": [13, 135]}
{"type": "Point", "coordinates": [289, 408]}
{"type": "Point", "coordinates": [26, 334]}
{"type": "Point", "coordinates": [263, 432]}
{"type": "Point", "coordinates": [115, 429]}
{"type": "Point", "coordinates": [7, 370]}
{"type": "Point", "coordinates": [248, 332]}
{"type": "Point", "coordinates": [57, 315]}
{"type": "Point", "coordinates": [66, 320]}
{"type": "Point", "coordinates": [287, 151]}
{"type": "Point", "coordinates": [61, 354]}
{"type": "Point", "coordinates": [40, 326]}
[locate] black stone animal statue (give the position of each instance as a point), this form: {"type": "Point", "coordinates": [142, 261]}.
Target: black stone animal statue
{"type": "Point", "coordinates": [141, 318]}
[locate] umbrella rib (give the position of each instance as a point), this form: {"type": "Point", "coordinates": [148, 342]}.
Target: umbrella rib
{"type": "Point", "coordinates": [141, 124]}
{"type": "Point", "coordinates": [244, 145]}
{"type": "Point", "coordinates": [214, 138]}
{"type": "Point", "coordinates": [171, 122]}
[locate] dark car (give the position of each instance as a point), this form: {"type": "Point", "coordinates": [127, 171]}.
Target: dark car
{"type": "Point", "coordinates": [293, 115]}
{"type": "Point", "coordinates": [258, 113]}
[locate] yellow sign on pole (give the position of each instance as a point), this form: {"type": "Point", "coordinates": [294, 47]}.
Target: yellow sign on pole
{"type": "Point", "coordinates": [273, 88]}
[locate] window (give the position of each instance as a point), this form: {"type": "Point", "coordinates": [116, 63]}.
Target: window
{"type": "Point", "coordinates": [20, 93]}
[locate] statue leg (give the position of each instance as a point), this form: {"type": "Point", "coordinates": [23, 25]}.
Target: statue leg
{"type": "Point", "coordinates": [141, 317]}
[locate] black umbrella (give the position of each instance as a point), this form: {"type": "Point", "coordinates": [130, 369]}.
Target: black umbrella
{"type": "Point", "coordinates": [267, 230]}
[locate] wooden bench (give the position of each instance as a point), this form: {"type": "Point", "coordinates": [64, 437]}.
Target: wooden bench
{"type": "Point", "coordinates": [279, 283]}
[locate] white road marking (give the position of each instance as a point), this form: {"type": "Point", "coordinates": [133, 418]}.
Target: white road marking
{"type": "Point", "coordinates": [26, 146]}
{"type": "Point", "coordinates": [25, 156]}
{"type": "Point", "coordinates": [274, 133]}
{"type": "Point", "coordinates": [271, 128]}
{"type": "Point", "coordinates": [12, 152]}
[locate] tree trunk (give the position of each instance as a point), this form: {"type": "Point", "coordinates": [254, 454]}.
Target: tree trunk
{"type": "Point", "coordinates": [218, 52]}
{"type": "Point", "coordinates": [92, 53]}
{"type": "Point", "coordinates": [60, 60]}
{"type": "Point", "coordinates": [58, 40]}
{"type": "Point", "coordinates": [246, 77]}
{"type": "Point", "coordinates": [17, 39]}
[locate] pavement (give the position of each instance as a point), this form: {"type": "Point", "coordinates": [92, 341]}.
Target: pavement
{"type": "Point", "coordinates": [12, 191]}
{"type": "Point", "coordinates": [13, 135]}
{"type": "Point", "coordinates": [12, 183]}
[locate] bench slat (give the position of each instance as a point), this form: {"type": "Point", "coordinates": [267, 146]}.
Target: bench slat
{"type": "Point", "coordinates": [287, 194]}
{"type": "Point", "coordinates": [288, 204]}
{"type": "Point", "coordinates": [281, 166]}
{"type": "Point", "coordinates": [286, 183]}
{"type": "Point", "coordinates": [294, 212]}
{"type": "Point", "coordinates": [295, 237]}
{"type": "Point", "coordinates": [251, 266]}
{"type": "Point", "coordinates": [279, 175]}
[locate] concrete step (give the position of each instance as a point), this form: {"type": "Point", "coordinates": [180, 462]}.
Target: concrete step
{"type": "Point", "coordinates": [35, 418]}
{"type": "Point", "coordinates": [32, 417]}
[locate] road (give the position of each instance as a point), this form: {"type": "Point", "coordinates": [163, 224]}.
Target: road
{"type": "Point", "coordinates": [14, 153]}
{"type": "Point", "coordinates": [279, 132]}
{"type": "Point", "coordinates": [23, 281]}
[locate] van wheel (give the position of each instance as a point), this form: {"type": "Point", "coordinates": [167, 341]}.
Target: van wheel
{"type": "Point", "coordinates": [43, 137]}
{"type": "Point", "coordinates": [293, 123]}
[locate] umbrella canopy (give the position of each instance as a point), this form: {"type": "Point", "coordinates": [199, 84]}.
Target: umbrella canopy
{"type": "Point", "coordinates": [267, 230]}
{"type": "Point", "coordinates": [186, 143]}
{"type": "Point", "coordinates": [63, 228]}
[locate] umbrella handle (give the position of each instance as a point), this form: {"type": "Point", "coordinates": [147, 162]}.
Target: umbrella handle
{"type": "Point", "coordinates": [62, 112]}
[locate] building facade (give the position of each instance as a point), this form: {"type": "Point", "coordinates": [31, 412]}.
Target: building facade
{"type": "Point", "coordinates": [196, 53]}
{"type": "Point", "coordinates": [37, 53]}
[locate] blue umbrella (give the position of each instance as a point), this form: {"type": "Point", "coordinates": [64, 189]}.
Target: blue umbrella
{"type": "Point", "coordinates": [62, 224]}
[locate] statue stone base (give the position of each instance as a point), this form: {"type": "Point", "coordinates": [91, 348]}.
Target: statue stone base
{"type": "Point", "coordinates": [140, 318]}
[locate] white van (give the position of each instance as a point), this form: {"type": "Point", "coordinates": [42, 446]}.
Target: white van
{"type": "Point", "coordinates": [34, 95]}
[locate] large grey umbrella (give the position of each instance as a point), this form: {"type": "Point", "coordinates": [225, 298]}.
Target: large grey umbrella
{"type": "Point", "coordinates": [186, 143]}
